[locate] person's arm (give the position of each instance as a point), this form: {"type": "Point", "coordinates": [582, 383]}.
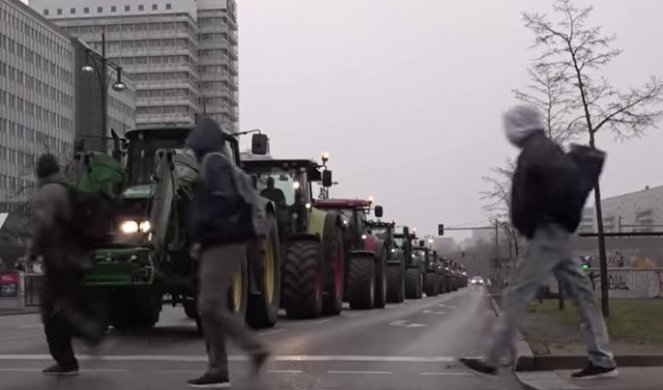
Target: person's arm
{"type": "Point", "coordinates": [219, 178]}
{"type": "Point", "coordinates": [50, 204]}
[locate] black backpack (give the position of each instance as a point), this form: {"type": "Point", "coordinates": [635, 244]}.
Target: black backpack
{"type": "Point", "coordinates": [91, 217]}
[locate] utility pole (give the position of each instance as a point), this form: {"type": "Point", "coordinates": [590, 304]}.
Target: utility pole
{"type": "Point", "coordinates": [104, 88]}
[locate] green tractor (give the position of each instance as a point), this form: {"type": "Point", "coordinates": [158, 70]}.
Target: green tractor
{"type": "Point", "coordinates": [410, 262]}
{"type": "Point", "coordinates": [395, 271]}
{"type": "Point", "coordinates": [311, 238]}
{"type": "Point", "coordinates": [431, 279]}
{"type": "Point", "coordinates": [147, 254]}
{"type": "Point", "coordinates": [365, 255]}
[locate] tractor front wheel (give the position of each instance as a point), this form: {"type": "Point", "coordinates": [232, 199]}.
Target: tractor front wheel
{"type": "Point", "coordinates": [334, 257]}
{"type": "Point", "coordinates": [265, 258]}
{"type": "Point", "coordinates": [395, 283]}
{"type": "Point", "coordinates": [431, 285]}
{"type": "Point", "coordinates": [303, 279]}
{"type": "Point", "coordinates": [413, 280]}
{"type": "Point", "coordinates": [381, 283]}
{"type": "Point", "coordinates": [361, 282]}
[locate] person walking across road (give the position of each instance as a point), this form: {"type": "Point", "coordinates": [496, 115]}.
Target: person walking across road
{"type": "Point", "coordinates": [63, 274]}
{"type": "Point", "coordinates": [549, 190]}
{"type": "Point", "coordinates": [219, 226]}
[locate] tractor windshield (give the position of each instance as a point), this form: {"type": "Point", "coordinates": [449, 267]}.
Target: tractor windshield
{"type": "Point", "coordinates": [399, 241]}
{"type": "Point", "coordinates": [380, 232]}
{"type": "Point", "coordinates": [281, 187]}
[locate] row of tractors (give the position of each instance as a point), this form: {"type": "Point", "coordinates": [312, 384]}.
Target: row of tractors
{"type": "Point", "coordinates": [319, 252]}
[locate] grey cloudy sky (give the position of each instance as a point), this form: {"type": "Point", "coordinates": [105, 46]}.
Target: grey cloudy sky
{"type": "Point", "coordinates": [407, 94]}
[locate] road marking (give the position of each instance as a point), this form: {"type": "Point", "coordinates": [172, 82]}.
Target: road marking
{"type": "Point", "coordinates": [360, 372]}
{"type": "Point", "coordinates": [404, 324]}
{"type": "Point", "coordinates": [427, 311]}
{"type": "Point", "coordinates": [273, 331]}
{"type": "Point", "coordinates": [352, 315]}
{"type": "Point", "coordinates": [24, 337]}
{"type": "Point", "coordinates": [237, 358]}
{"type": "Point", "coordinates": [31, 326]}
{"type": "Point", "coordinates": [322, 321]}
{"type": "Point", "coordinates": [179, 372]}
{"type": "Point", "coordinates": [285, 371]}
{"type": "Point", "coordinates": [445, 374]}
{"type": "Point", "coordinates": [82, 370]}
{"type": "Point", "coordinates": [20, 370]}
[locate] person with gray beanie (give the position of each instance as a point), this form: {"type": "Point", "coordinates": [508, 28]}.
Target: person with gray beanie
{"type": "Point", "coordinates": [548, 193]}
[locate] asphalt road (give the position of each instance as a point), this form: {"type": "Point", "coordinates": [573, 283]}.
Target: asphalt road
{"type": "Point", "coordinates": [406, 346]}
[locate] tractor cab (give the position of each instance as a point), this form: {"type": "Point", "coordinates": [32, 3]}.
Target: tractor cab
{"type": "Point", "coordinates": [288, 184]}
{"type": "Point", "coordinates": [358, 232]}
{"type": "Point", "coordinates": [384, 231]}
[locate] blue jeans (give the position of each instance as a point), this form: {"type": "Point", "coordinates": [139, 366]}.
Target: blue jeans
{"type": "Point", "coordinates": [549, 252]}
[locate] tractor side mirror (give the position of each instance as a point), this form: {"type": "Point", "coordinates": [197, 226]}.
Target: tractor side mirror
{"type": "Point", "coordinates": [260, 144]}
{"type": "Point", "coordinates": [422, 243]}
{"type": "Point", "coordinates": [406, 231]}
{"type": "Point", "coordinates": [379, 212]}
{"type": "Point", "coordinates": [327, 178]}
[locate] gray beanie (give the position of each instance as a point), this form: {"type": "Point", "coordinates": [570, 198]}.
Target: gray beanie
{"type": "Point", "coordinates": [521, 121]}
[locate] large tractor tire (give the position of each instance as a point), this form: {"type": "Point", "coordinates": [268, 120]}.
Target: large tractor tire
{"type": "Point", "coordinates": [238, 293]}
{"type": "Point", "coordinates": [303, 279]}
{"type": "Point", "coordinates": [413, 283]}
{"type": "Point", "coordinates": [395, 283]}
{"type": "Point", "coordinates": [190, 308]}
{"type": "Point", "coordinates": [431, 285]}
{"type": "Point", "coordinates": [381, 282]}
{"type": "Point", "coordinates": [361, 282]}
{"type": "Point", "coordinates": [332, 303]}
{"type": "Point", "coordinates": [265, 258]}
{"type": "Point", "coordinates": [441, 283]}
{"type": "Point", "coordinates": [136, 309]}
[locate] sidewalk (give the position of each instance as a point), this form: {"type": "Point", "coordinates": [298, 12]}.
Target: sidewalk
{"type": "Point", "coordinates": [630, 378]}
{"type": "Point", "coordinates": [12, 312]}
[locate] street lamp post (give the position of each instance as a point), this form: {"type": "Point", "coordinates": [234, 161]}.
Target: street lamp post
{"type": "Point", "coordinates": [94, 58]}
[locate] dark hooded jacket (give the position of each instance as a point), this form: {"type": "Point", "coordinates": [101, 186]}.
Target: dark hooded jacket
{"type": "Point", "coordinates": [216, 199]}
{"type": "Point", "coordinates": [545, 188]}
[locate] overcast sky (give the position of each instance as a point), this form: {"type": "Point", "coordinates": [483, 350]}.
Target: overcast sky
{"type": "Point", "coordinates": [407, 95]}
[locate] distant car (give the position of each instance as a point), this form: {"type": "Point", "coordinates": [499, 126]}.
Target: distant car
{"type": "Point", "coordinates": [477, 281]}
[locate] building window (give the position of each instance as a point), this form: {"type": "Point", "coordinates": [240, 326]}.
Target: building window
{"type": "Point", "coordinates": [127, 8]}
{"type": "Point", "coordinates": [59, 11]}
{"type": "Point", "coordinates": [169, 6]}
{"type": "Point", "coordinates": [86, 10]}
{"type": "Point", "coordinates": [100, 9]}
{"type": "Point", "coordinates": [46, 12]}
{"type": "Point", "coordinates": [113, 9]}
{"type": "Point", "coordinates": [154, 7]}
{"type": "Point", "coordinates": [73, 11]}
{"type": "Point", "coordinates": [141, 7]}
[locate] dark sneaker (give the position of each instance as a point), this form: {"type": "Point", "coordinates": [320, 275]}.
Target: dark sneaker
{"type": "Point", "coordinates": [479, 366]}
{"type": "Point", "coordinates": [259, 359]}
{"type": "Point", "coordinates": [595, 372]}
{"type": "Point", "coordinates": [60, 370]}
{"type": "Point", "coordinates": [208, 381]}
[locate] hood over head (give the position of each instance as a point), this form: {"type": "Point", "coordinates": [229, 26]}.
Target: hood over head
{"type": "Point", "coordinates": [206, 137]}
{"type": "Point", "coordinates": [522, 121]}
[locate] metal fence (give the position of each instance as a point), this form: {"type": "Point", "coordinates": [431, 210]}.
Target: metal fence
{"type": "Point", "coordinates": [33, 287]}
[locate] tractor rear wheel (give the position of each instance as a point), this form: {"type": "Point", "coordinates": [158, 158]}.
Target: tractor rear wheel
{"type": "Point", "coordinates": [413, 280]}
{"type": "Point", "coordinates": [431, 285]}
{"type": "Point", "coordinates": [395, 283]}
{"type": "Point", "coordinates": [190, 308]}
{"type": "Point", "coordinates": [265, 258]}
{"type": "Point", "coordinates": [303, 279]}
{"type": "Point", "coordinates": [361, 282]}
{"type": "Point", "coordinates": [238, 293]}
{"type": "Point", "coordinates": [381, 282]}
{"type": "Point", "coordinates": [334, 260]}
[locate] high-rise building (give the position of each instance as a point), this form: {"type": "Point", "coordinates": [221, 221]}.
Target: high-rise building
{"type": "Point", "coordinates": [46, 102]}
{"type": "Point", "coordinates": [182, 54]}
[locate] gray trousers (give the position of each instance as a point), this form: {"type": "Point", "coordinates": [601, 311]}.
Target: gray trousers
{"type": "Point", "coordinates": [549, 252]}
{"type": "Point", "coordinates": [217, 266]}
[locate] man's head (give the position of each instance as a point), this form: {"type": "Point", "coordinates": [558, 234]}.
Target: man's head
{"type": "Point", "coordinates": [206, 137]}
{"type": "Point", "coordinates": [47, 165]}
{"type": "Point", "coordinates": [522, 121]}
{"type": "Point", "coordinates": [270, 183]}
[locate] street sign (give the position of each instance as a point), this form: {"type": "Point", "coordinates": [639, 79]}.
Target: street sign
{"type": "Point", "coordinates": [9, 284]}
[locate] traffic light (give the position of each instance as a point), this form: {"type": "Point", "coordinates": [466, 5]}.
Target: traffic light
{"type": "Point", "coordinates": [440, 229]}
{"type": "Point", "coordinates": [586, 263]}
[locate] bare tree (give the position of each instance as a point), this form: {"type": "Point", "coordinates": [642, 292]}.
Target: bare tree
{"type": "Point", "coordinates": [551, 92]}
{"type": "Point", "coordinates": [569, 45]}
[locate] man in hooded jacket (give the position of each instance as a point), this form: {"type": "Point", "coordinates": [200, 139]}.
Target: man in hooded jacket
{"type": "Point", "coordinates": [547, 197]}
{"type": "Point", "coordinates": [217, 200]}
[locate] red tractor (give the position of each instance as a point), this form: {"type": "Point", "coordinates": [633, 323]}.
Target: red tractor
{"type": "Point", "coordinates": [365, 254]}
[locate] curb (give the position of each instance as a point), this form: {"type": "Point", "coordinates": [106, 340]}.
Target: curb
{"type": "Point", "coordinates": [544, 380]}
{"type": "Point", "coordinates": [523, 356]}
{"type": "Point", "coordinates": [570, 362]}
{"type": "Point", "coordinates": [17, 312]}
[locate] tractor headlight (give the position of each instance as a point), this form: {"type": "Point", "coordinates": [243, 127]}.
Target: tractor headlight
{"type": "Point", "coordinates": [363, 236]}
{"type": "Point", "coordinates": [133, 227]}
{"type": "Point", "coordinates": [295, 185]}
{"type": "Point", "coordinates": [393, 250]}
{"type": "Point", "coordinates": [308, 206]}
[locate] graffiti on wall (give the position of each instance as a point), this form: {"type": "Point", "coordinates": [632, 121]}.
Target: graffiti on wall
{"type": "Point", "coordinates": [630, 282]}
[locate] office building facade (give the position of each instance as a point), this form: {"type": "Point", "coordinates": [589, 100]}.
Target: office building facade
{"type": "Point", "coordinates": [181, 54]}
